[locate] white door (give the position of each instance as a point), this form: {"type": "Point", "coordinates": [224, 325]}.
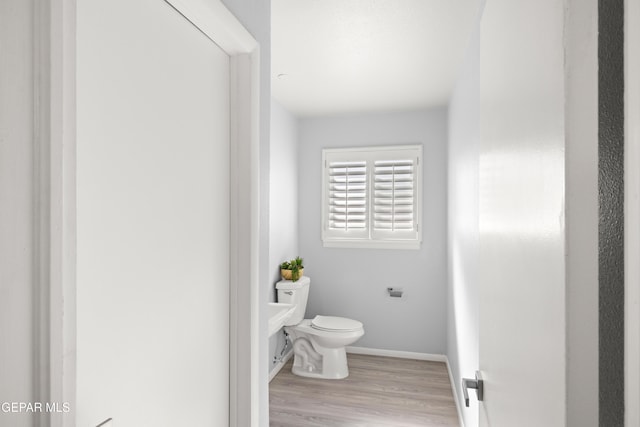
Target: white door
{"type": "Point", "coordinates": [153, 218]}
{"type": "Point", "coordinates": [521, 202]}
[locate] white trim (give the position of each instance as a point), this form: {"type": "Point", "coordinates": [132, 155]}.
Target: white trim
{"type": "Point", "coordinates": [371, 244]}
{"type": "Point", "coordinates": [244, 209]}
{"type": "Point", "coordinates": [43, 209]}
{"type": "Point", "coordinates": [397, 353]}
{"type": "Point", "coordinates": [217, 23]}
{"type": "Point", "coordinates": [66, 61]}
{"type": "Point", "coordinates": [375, 148]}
{"type": "Point", "coordinates": [632, 211]}
{"type": "Point", "coordinates": [54, 208]}
{"type": "Point", "coordinates": [258, 343]}
{"type": "Point", "coordinates": [454, 390]}
{"type": "Point", "coordinates": [62, 175]}
{"type": "Point", "coordinates": [280, 365]}
{"type": "Point", "coordinates": [581, 210]}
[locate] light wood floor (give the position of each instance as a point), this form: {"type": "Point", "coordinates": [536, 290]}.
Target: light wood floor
{"type": "Point", "coordinates": [380, 391]}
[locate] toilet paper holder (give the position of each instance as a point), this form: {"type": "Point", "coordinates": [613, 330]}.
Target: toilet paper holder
{"type": "Point", "coordinates": [395, 292]}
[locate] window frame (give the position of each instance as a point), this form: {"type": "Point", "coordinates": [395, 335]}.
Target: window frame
{"type": "Point", "coordinates": [372, 238]}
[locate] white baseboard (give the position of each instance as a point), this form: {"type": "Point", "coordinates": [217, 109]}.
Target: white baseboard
{"type": "Point", "coordinates": [455, 394]}
{"type": "Point", "coordinates": [398, 354]}
{"type": "Point", "coordinates": [280, 364]}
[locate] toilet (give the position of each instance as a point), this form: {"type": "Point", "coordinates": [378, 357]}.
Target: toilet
{"type": "Point", "coordinates": [318, 343]}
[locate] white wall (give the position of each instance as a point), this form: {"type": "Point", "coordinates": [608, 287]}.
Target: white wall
{"type": "Point", "coordinates": [353, 282]}
{"type": "Point", "coordinates": [463, 291]}
{"type": "Point", "coordinates": [521, 205]}
{"type": "Point", "coordinates": [17, 244]}
{"type": "Point", "coordinates": [153, 236]}
{"type": "Point", "coordinates": [538, 214]}
{"type": "Point", "coordinates": [581, 219]}
{"type": "Point", "coordinates": [255, 16]}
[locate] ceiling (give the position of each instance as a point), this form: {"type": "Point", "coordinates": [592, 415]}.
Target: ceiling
{"type": "Point", "coordinates": [341, 56]}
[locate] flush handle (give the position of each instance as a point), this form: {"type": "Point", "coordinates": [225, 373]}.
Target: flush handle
{"type": "Point", "coordinates": [476, 384]}
{"type": "Point", "coordinates": [288, 292]}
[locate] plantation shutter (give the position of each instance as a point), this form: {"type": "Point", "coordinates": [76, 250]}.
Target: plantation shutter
{"type": "Point", "coordinates": [371, 197]}
{"type": "Point", "coordinates": [394, 195]}
{"type": "Point", "coordinates": [347, 195]}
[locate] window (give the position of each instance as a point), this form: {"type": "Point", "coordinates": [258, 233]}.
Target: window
{"type": "Point", "coordinates": [371, 197]}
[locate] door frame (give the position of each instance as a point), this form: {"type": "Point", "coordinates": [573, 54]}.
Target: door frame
{"type": "Point", "coordinates": [632, 212]}
{"type": "Point", "coordinates": [55, 193]}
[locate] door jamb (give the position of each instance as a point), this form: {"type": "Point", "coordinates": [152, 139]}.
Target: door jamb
{"type": "Point", "coordinates": [632, 211]}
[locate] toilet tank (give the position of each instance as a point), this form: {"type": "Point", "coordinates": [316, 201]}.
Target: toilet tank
{"type": "Point", "coordinates": [294, 293]}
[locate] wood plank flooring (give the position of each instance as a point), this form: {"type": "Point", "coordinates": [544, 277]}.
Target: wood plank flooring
{"type": "Point", "coordinates": [380, 391]}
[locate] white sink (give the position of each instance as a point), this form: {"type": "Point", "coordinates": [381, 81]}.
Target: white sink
{"type": "Point", "coordinates": [279, 313]}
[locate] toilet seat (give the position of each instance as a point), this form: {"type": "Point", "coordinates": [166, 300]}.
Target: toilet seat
{"type": "Point", "coordinates": [335, 324]}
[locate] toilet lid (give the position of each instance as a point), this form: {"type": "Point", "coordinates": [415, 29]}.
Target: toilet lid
{"type": "Point", "coordinates": [331, 323]}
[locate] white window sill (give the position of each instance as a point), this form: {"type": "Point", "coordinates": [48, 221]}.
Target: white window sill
{"type": "Point", "coordinates": [372, 244]}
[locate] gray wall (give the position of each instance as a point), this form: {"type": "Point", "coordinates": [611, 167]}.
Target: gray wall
{"type": "Point", "coordinates": [283, 215]}
{"type": "Point", "coordinates": [353, 282]}
{"type": "Point", "coordinates": [463, 291]}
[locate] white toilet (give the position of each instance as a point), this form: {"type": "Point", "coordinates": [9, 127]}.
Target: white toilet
{"type": "Point", "coordinates": [318, 343]}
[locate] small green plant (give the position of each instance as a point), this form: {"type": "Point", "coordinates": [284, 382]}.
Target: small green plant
{"type": "Point", "coordinates": [295, 266]}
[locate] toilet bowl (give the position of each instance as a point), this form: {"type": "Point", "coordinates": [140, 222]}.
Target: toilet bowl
{"type": "Point", "coordinates": [318, 343]}
{"type": "Point", "coordinates": [325, 356]}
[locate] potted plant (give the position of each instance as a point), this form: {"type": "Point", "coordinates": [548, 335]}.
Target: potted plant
{"type": "Point", "coordinates": [292, 270]}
